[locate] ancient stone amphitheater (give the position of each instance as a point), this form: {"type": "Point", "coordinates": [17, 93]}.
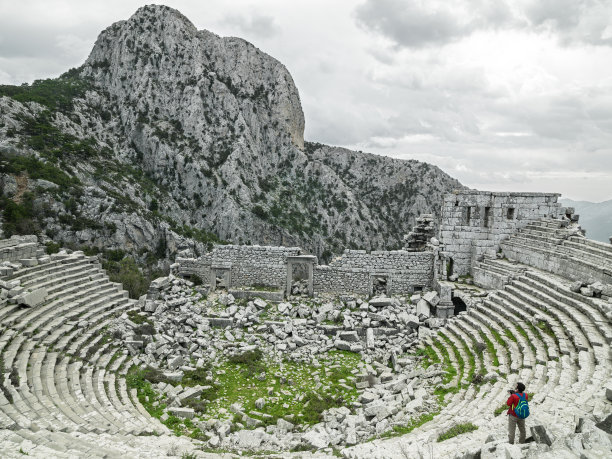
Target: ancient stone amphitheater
{"type": "Point", "coordinates": [540, 312]}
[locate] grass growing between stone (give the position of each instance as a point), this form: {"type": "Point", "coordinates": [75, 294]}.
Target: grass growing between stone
{"type": "Point", "coordinates": [524, 334]}
{"type": "Point", "coordinates": [408, 427]}
{"type": "Point", "coordinates": [471, 360]}
{"type": "Point", "coordinates": [458, 357]}
{"type": "Point", "coordinates": [457, 430]}
{"type": "Point", "coordinates": [490, 349]}
{"type": "Point", "coordinates": [429, 356]}
{"type": "Point", "coordinates": [292, 391]}
{"type": "Point", "coordinates": [135, 379]}
{"type": "Point", "coordinates": [502, 342]}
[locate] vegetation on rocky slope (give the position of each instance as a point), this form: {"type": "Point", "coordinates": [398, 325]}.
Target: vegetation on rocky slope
{"type": "Point", "coordinates": [143, 165]}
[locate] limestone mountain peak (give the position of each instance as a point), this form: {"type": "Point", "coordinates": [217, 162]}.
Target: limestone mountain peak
{"type": "Point", "coordinates": [168, 134]}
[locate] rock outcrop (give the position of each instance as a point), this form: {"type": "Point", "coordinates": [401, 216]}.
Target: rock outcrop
{"type": "Point", "coordinates": [168, 134]}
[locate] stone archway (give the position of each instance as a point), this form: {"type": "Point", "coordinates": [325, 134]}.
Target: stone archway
{"type": "Point", "coordinates": [459, 305]}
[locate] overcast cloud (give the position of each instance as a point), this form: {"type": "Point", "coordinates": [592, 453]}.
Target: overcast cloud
{"type": "Point", "coordinates": [505, 95]}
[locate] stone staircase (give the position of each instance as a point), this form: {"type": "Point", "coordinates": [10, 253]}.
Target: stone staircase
{"type": "Point", "coordinates": [64, 392]}
{"type": "Point", "coordinates": [533, 330]}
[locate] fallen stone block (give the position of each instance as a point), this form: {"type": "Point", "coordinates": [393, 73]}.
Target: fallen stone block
{"type": "Point", "coordinates": [370, 338]}
{"type": "Point", "coordinates": [259, 303]}
{"type": "Point", "coordinates": [33, 298]}
{"type": "Point", "coordinates": [16, 291]}
{"type": "Point", "coordinates": [175, 362]}
{"type": "Point", "coordinates": [576, 286]}
{"type": "Point", "coordinates": [173, 375]}
{"type": "Point", "coordinates": [379, 411]}
{"type": "Point", "coordinates": [609, 391]}
{"type": "Point", "coordinates": [380, 302]}
{"type": "Point", "coordinates": [411, 321]}
{"type": "Point", "coordinates": [316, 439]}
{"type": "Point", "coordinates": [540, 435]}
{"type": "Point", "coordinates": [350, 336]}
{"type": "Point", "coordinates": [606, 425]}
{"type": "Point", "coordinates": [432, 298]}
{"type": "Point", "coordinates": [260, 403]}
{"type": "Point", "coordinates": [249, 439]}
{"type": "Point", "coordinates": [180, 412]}
{"type": "Point", "coordinates": [191, 392]}
{"type": "Point", "coordinates": [160, 283]}
{"type": "Point", "coordinates": [423, 309]}
{"type": "Point", "coordinates": [284, 426]}
{"type": "Point", "coordinates": [342, 345]}
{"type": "Point", "coordinates": [29, 261]}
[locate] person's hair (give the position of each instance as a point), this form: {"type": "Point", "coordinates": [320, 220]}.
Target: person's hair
{"type": "Point", "coordinates": [520, 386]}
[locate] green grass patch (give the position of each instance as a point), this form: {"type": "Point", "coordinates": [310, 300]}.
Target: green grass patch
{"type": "Point", "coordinates": [315, 404]}
{"type": "Point", "coordinates": [457, 430]}
{"type": "Point", "coordinates": [283, 386]}
{"type": "Point", "coordinates": [490, 349]}
{"type": "Point", "coordinates": [127, 273]}
{"type": "Point", "coordinates": [429, 356]}
{"type": "Point", "coordinates": [138, 318]}
{"type": "Point", "coordinates": [509, 335]}
{"type": "Point", "coordinates": [449, 369]}
{"type": "Point", "coordinates": [135, 379]}
{"type": "Point", "coordinates": [471, 360]}
{"type": "Point", "coordinates": [523, 332]}
{"type": "Point", "coordinates": [548, 330]}
{"type": "Point", "coordinates": [37, 169]}
{"type": "Point", "coordinates": [458, 357]}
{"type": "Point", "coordinates": [408, 427]}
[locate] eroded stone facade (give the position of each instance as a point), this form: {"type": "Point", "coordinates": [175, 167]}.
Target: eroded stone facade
{"type": "Point", "coordinates": [475, 222]}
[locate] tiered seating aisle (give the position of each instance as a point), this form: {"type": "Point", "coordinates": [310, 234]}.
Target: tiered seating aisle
{"type": "Point", "coordinates": [63, 399]}
{"type": "Point", "coordinates": [554, 340]}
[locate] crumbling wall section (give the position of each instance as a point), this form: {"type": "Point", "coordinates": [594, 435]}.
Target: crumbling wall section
{"type": "Point", "coordinates": [248, 265]}
{"type": "Point", "coordinates": [473, 223]}
{"type": "Point", "coordinates": [404, 271]}
{"type": "Point", "coordinates": [353, 272]}
{"type": "Point", "coordinates": [18, 247]}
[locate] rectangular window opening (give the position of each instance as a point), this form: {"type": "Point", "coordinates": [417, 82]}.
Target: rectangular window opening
{"type": "Point", "coordinates": [487, 215]}
{"type": "Point", "coordinates": [510, 213]}
{"type": "Point", "coordinates": [468, 215]}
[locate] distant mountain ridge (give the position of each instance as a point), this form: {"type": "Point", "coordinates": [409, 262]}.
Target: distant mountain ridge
{"type": "Point", "coordinates": [595, 217]}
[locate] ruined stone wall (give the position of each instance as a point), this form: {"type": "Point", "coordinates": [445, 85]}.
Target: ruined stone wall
{"type": "Point", "coordinates": [353, 272]}
{"type": "Point", "coordinates": [473, 223]}
{"type": "Point", "coordinates": [247, 265]}
{"type": "Point", "coordinates": [18, 247]}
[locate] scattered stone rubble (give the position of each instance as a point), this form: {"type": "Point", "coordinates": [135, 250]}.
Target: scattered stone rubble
{"type": "Point", "coordinates": [192, 330]}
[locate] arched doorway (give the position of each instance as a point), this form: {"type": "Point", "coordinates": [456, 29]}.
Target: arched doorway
{"type": "Point", "coordinates": [459, 305]}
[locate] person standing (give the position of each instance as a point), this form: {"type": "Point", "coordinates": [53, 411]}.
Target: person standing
{"type": "Point", "coordinates": [518, 411]}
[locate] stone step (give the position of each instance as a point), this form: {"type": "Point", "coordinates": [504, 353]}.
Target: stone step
{"type": "Point", "coordinates": [585, 331]}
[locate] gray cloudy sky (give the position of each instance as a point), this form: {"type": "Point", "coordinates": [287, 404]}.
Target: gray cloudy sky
{"type": "Point", "coordinates": [504, 95]}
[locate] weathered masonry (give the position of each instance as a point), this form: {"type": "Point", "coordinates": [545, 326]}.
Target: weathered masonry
{"type": "Point", "coordinates": [473, 223]}
{"type": "Point", "coordinates": [358, 272]}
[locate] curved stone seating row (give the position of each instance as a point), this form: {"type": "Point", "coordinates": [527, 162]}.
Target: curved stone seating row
{"type": "Point", "coordinates": [575, 360]}
{"type": "Point", "coordinates": [546, 245]}
{"type": "Point", "coordinates": [69, 383]}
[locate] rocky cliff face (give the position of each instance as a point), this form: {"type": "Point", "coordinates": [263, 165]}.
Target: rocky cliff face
{"type": "Point", "coordinates": [168, 137]}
